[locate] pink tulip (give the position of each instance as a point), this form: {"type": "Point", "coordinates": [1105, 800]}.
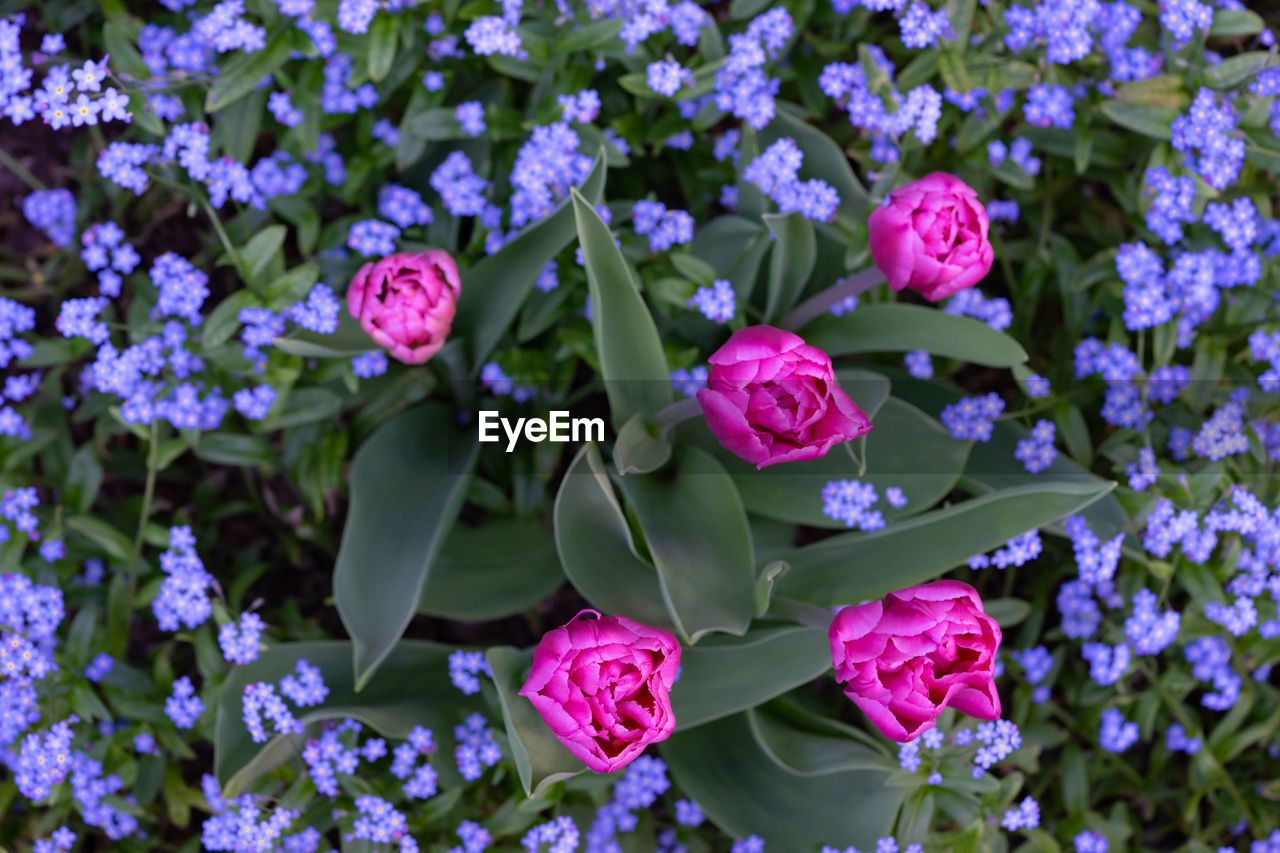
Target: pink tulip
{"type": "Point", "coordinates": [771, 398]}
{"type": "Point", "coordinates": [920, 650]}
{"type": "Point", "coordinates": [602, 685]}
{"type": "Point", "coordinates": [931, 236]}
{"type": "Point", "coordinates": [406, 302]}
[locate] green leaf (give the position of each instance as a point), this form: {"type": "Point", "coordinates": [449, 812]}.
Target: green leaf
{"type": "Point", "coordinates": [84, 478]}
{"type": "Point", "coordinates": [1147, 119]}
{"type": "Point", "coordinates": [808, 753]}
{"type": "Point", "coordinates": [1238, 69]}
{"type": "Point", "coordinates": [1007, 611]}
{"type": "Point", "coordinates": [1236, 22]}
{"type": "Point", "coordinates": [1014, 175]}
{"type": "Point", "coordinates": [905, 448]}
{"type": "Point", "coordinates": [223, 448]}
{"type": "Point", "coordinates": [305, 406]}
{"type": "Point", "coordinates": [632, 364]}
{"type": "Point", "coordinates": [224, 321]}
{"type": "Point", "coordinates": [1166, 90]}
{"type": "Point", "coordinates": [589, 35]}
{"type": "Point", "coordinates": [258, 252]}
{"type": "Point", "coordinates": [822, 159]}
{"type": "Point", "coordinates": [408, 482]}
{"type": "Point", "coordinates": [247, 70]}
{"type": "Point", "coordinates": [124, 55]}
{"type": "Point", "coordinates": [293, 286]}
{"type": "Point", "coordinates": [596, 548]}
{"type": "Point", "coordinates": [382, 46]}
{"type": "Point", "coordinates": [694, 268]}
{"type": "Point", "coordinates": [494, 289]}
{"type": "Point", "coordinates": [896, 327]}
{"type": "Point", "coordinates": [438, 124]}
{"type": "Point", "coordinates": [347, 341]}
{"type": "Point", "coordinates": [696, 529]}
{"type": "Point", "coordinates": [745, 792]}
{"type": "Point", "coordinates": [492, 571]}
{"type": "Point", "coordinates": [541, 760]}
{"type": "Point", "coordinates": [795, 250]}
{"type": "Point", "coordinates": [741, 10]}
{"type": "Point", "coordinates": [103, 535]}
{"type": "Point", "coordinates": [640, 447]}
{"type": "Point", "coordinates": [411, 688]}
{"type": "Point", "coordinates": [855, 567]}
{"type": "Point", "coordinates": [724, 675]}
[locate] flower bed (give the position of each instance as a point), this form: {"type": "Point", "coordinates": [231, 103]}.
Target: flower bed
{"type": "Point", "coordinates": [812, 426]}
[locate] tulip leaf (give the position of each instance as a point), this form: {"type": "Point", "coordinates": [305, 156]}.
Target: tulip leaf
{"type": "Point", "coordinates": [383, 704]}
{"type": "Point", "coordinates": [993, 466]}
{"type": "Point", "coordinates": [838, 749]}
{"type": "Point", "coordinates": [905, 448]}
{"type": "Point", "coordinates": [596, 549]}
{"type": "Point", "coordinates": [408, 482]}
{"type": "Point", "coordinates": [788, 811]}
{"type": "Point", "coordinates": [1236, 22]}
{"type": "Point", "coordinates": [897, 327]}
{"type": "Point", "coordinates": [641, 447]}
{"type": "Point", "coordinates": [495, 288]}
{"type": "Point", "coordinates": [853, 567]}
{"type": "Point", "coordinates": [724, 675]}
{"type": "Point", "coordinates": [541, 760]}
{"type": "Point", "coordinates": [795, 250]}
{"type": "Point", "coordinates": [492, 571]}
{"type": "Point", "coordinates": [1237, 69]}
{"type": "Point", "coordinates": [632, 363]}
{"type": "Point", "coordinates": [696, 529]}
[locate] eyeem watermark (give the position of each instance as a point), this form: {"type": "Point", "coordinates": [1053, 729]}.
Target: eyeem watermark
{"type": "Point", "coordinates": [558, 426]}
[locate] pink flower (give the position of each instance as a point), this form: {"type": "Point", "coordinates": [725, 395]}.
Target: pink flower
{"type": "Point", "coordinates": [917, 652]}
{"type": "Point", "coordinates": [406, 302]}
{"type": "Point", "coordinates": [771, 398]}
{"type": "Point", "coordinates": [931, 236]}
{"type": "Point", "coordinates": [602, 687]}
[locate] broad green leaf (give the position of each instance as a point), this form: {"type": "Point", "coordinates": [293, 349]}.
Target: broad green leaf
{"type": "Point", "coordinates": [632, 363]}
{"type": "Point", "coordinates": [724, 675]}
{"type": "Point", "coordinates": [905, 448]}
{"type": "Point", "coordinates": [494, 289]}
{"type": "Point", "coordinates": [247, 70]}
{"type": "Point", "coordinates": [696, 529]}
{"type": "Point", "coordinates": [1166, 90]}
{"type": "Point", "coordinates": [293, 286]}
{"type": "Point", "coordinates": [1147, 119]}
{"type": "Point", "coordinates": [809, 753]}
{"type": "Point", "coordinates": [258, 252]}
{"type": "Point", "coordinates": [1007, 611]}
{"type": "Point", "coordinates": [223, 322]}
{"type": "Point", "coordinates": [1236, 22]}
{"type": "Point", "coordinates": [124, 55]}
{"type": "Point", "coordinates": [743, 791]}
{"type": "Point", "coordinates": [896, 327]}
{"type": "Point", "coordinates": [640, 447]}
{"type": "Point", "coordinates": [411, 688]}
{"type": "Point", "coordinates": [596, 548]}
{"type": "Point", "coordinates": [541, 760]}
{"type": "Point", "coordinates": [1238, 69]}
{"type": "Point", "coordinates": [408, 482]}
{"type": "Point", "coordinates": [822, 159]}
{"type": "Point", "coordinates": [993, 466]}
{"type": "Point", "coordinates": [488, 572]}
{"type": "Point", "coordinates": [795, 249]}
{"type": "Point", "coordinates": [853, 567]}
{"type": "Point", "coordinates": [383, 33]}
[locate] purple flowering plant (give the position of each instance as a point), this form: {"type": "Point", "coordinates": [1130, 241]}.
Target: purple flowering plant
{"type": "Point", "coordinates": [264, 586]}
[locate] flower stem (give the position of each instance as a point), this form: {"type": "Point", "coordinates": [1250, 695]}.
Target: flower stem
{"type": "Point", "coordinates": [149, 490]}
{"type": "Point", "coordinates": [816, 306]}
{"type": "Point", "coordinates": [10, 162]}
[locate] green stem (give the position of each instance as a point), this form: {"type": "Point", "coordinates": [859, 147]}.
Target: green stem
{"type": "Point", "coordinates": [1187, 723]}
{"type": "Point", "coordinates": [674, 413]}
{"type": "Point", "coordinates": [816, 306]}
{"type": "Point", "coordinates": [149, 491]}
{"type": "Point", "coordinates": [9, 162]}
{"type": "Point", "coordinates": [222, 233]}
